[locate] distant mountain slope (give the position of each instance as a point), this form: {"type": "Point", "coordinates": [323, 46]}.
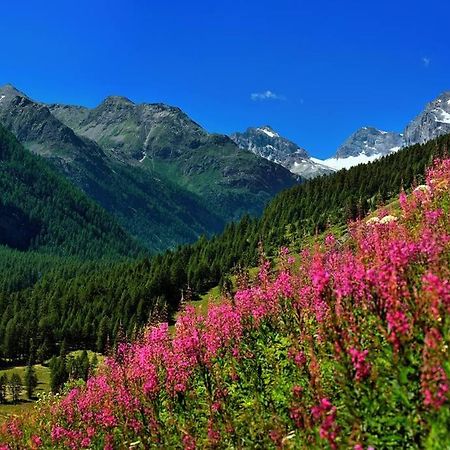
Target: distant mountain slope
{"type": "Point", "coordinates": [368, 143]}
{"type": "Point", "coordinates": [155, 211]}
{"type": "Point", "coordinates": [39, 210]}
{"type": "Point", "coordinates": [169, 145]}
{"type": "Point", "coordinates": [267, 143]}
{"type": "Point", "coordinates": [363, 146]}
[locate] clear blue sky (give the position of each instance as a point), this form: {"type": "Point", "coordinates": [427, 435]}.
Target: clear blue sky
{"type": "Point", "coordinates": [330, 66]}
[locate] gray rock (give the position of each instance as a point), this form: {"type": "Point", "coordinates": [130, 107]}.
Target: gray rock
{"type": "Point", "coordinates": [369, 141]}
{"type": "Point", "coordinates": [267, 143]}
{"type": "Point", "coordinates": [432, 122]}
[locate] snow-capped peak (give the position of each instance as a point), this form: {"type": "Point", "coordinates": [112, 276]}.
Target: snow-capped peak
{"type": "Point", "coordinates": [269, 132]}
{"type": "Point", "coordinates": [267, 143]}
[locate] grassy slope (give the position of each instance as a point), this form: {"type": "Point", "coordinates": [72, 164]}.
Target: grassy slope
{"type": "Point", "coordinates": [43, 387]}
{"type": "Point", "coordinates": [24, 405]}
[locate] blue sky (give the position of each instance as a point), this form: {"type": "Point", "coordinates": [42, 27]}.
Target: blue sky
{"type": "Point", "coordinates": [316, 71]}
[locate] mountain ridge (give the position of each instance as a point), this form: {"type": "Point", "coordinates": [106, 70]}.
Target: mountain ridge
{"type": "Point", "coordinates": [364, 145]}
{"type": "Point", "coordinates": [156, 203]}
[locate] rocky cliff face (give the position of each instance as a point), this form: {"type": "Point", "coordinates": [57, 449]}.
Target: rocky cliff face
{"type": "Point", "coordinates": [432, 122]}
{"type": "Point", "coordinates": [370, 141]}
{"type": "Point", "coordinates": [267, 143]}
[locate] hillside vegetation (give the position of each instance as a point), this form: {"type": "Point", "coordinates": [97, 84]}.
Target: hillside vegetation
{"type": "Point", "coordinates": [85, 305]}
{"type": "Point", "coordinates": [349, 350]}
{"type": "Point", "coordinates": [40, 210]}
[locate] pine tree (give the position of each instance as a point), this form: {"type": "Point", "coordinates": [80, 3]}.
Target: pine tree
{"type": "Point", "coordinates": [3, 387]}
{"type": "Point", "coordinates": [31, 380]}
{"type": "Point", "coordinates": [15, 387]}
{"type": "Point", "coordinates": [58, 373]}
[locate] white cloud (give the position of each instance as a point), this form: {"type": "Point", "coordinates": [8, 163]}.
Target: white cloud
{"type": "Point", "coordinates": [266, 95]}
{"type": "Point", "coordinates": [426, 61]}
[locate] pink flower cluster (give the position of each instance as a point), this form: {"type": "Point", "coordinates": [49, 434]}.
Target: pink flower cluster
{"type": "Point", "coordinates": [325, 414]}
{"type": "Point", "coordinates": [361, 366]}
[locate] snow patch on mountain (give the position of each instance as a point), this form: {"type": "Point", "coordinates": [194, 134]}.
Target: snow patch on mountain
{"type": "Point", "coordinates": [267, 143]}
{"type": "Point", "coordinates": [269, 132]}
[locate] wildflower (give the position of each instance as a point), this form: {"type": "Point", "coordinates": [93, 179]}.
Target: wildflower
{"type": "Point", "coordinates": [325, 412]}
{"type": "Point", "coordinates": [276, 436]}
{"type": "Point", "coordinates": [295, 414]}
{"type": "Point", "coordinates": [361, 366]}
{"type": "Point", "coordinates": [373, 220]}
{"type": "Point", "coordinates": [188, 442]}
{"type": "Point", "coordinates": [297, 391]}
{"type": "Point", "coordinates": [422, 188]}
{"type": "Point", "coordinates": [36, 441]}
{"type": "Point", "coordinates": [388, 219]}
{"type": "Point", "coordinates": [438, 293]}
{"type": "Point", "coordinates": [330, 240]}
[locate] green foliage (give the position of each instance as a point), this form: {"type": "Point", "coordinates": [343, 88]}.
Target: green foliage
{"type": "Point", "coordinates": [15, 387]}
{"type": "Point", "coordinates": [3, 387]}
{"type": "Point", "coordinates": [58, 373]}
{"type": "Point", "coordinates": [39, 210]}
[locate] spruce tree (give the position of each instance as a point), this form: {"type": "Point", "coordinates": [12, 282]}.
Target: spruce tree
{"type": "Point", "coordinates": [31, 380]}
{"type": "Point", "coordinates": [3, 387]}
{"type": "Point", "coordinates": [15, 387]}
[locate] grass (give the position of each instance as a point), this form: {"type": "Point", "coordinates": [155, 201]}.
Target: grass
{"type": "Point", "coordinates": [24, 404]}
{"type": "Point", "coordinates": [43, 375]}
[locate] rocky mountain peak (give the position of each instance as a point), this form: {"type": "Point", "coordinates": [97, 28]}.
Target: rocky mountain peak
{"type": "Point", "coordinates": [264, 141]}
{"type": "Point", "coordinates": [267, 130]}
{"type": "Point", "coordinates": [432, 122]}
{"type": "Point", "coordinates": [117, 100]}
{"type": "Point", "coordinates": [8, 92]}
{"type": "Point", "coordinates": [369, 141]}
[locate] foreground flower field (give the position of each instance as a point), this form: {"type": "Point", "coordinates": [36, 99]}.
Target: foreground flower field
{"type": "Point", "coordinates": [345, 348]}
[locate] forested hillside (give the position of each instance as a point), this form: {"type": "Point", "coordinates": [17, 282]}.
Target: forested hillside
{"type": "Point", "coordinates": [89, 308]}
{"type": "Point", "coordinates": [40, 210]}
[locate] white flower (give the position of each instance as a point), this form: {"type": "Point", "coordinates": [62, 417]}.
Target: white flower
{"type": "Point", "coordinates": [423, 188]}
{"type": "Point", "coordinates": [388, 219]}
{"type": "Point", "coordinates": [373, 220]}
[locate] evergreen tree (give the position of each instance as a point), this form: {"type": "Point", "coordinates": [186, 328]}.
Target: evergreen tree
{"type": "Point", "coordinates": [15, 387]}
{"type": "Point", "coordinates": [94, 363]}
{"type": "Point", "coordinates": [58, 373]}
{"type": "Point", "coordinates": [3, 387]}
{"type": "Point", "coordinates": [31, 380]}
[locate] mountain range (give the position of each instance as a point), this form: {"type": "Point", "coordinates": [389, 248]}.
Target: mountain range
{"type": "Point", "coordinates": [164, 178]}
{"type": "Point", "coordinates": [364, 145]}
